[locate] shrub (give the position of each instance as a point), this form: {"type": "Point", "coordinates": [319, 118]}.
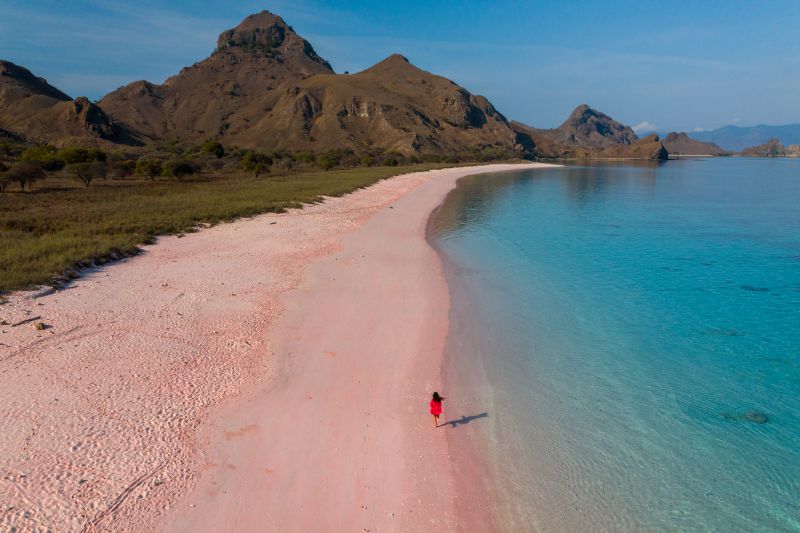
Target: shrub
{"type": "Point", "coordinates": [256, 162]}
{"type": "Point", "coordinates": [215, 148]}
{"type": "Point", "coordinates": [326, 162]}
{"type": "Point", "coordinates": [177, 168]}
{"type": "Point", "coordinates": [25, 173]}
{"type": "Point", "coordinates": [304, 156]}
{"type": "Point", "coordinates": [4, 181]}
{"type": "Point", "coordinates": [367, 161]}
{"type": "Point", "coordinates": [148, 167]}
{"type": "Point", "coordinates": [390, 162]}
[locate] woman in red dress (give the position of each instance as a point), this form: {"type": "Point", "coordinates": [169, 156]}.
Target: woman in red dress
{"type": "Point", "coordinates": [436, 407]}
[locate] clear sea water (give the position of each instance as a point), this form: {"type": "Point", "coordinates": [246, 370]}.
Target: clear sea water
{"type": "Point", "coordinates": [633, 333]}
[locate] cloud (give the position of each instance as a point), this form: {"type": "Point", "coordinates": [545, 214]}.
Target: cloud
{"type": "Point", "coordinates": [644, 126]}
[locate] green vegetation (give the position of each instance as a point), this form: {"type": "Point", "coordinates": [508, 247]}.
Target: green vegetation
{"type": "Point", "coordinates": [54, 229]}
{"type": "Point", "coordinates": [50, 225]}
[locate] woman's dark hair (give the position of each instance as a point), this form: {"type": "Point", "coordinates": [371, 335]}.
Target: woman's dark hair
{"type": "Point", "coordinates": [437, 398]}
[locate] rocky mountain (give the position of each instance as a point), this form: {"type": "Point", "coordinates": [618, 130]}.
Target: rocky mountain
{"type": "Point", "coordinates": [772, 148]}
{"type": "Point", "coordinates": [649, 148]}
{"type": "Point", "coordinates": [32, 109]}
{"type": "Point", "coordinates": [589, 128]}
{"type": "Point", "coordinates": [265, 86]}
{"type": "Point", "coordinates": [737, 138]}
{"type": "Point", "coordinates": [589, 134]}
{"type": "Point", "coordinates": [682, 144]}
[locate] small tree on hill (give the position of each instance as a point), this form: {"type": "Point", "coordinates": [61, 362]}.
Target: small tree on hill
{"type": "Point", "coordinates": [25, 173]}
{"type": "Point", "coordinates": [87, 172]}
{"type": "Point", "coordinates": [148, 167]}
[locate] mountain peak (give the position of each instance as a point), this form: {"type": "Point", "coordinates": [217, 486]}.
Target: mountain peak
{"type": "Point", "coordinates": [589, 127]}
{"type": "Point", "coordinates": [268, 32]}
{"type": "Point", "coordinates": [264, 30]}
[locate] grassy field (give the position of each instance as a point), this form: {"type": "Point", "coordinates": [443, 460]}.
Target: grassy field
{"type": "Point", "coordinates": [59, 227]}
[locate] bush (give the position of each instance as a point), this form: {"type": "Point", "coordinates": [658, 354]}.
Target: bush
{"type": "Point", "coordinates": [304, 156]}
{"type": "Point", "coordinates": [148, 167]}
{"type": "Point", "coordinates": [256, 162]}
{"type": "Point", "coordinates": [326, 162]}
{"type": "Point", "coordinates": [11, 149]}
{"type": "Point", "coordinates": [87, 172]}
{"type": "Point", "coordinates": [367, 161]}
{"type": "Point", "coordinates": [25, 173]}
{"type": "Point", "coordinates": [177, 168]}
{"type": "Point", "coordinates": [390, 162]}
{"type": "Point", "coordinates": [4, 181]}
{"type": "Point", "coordinates": [215, 148]}
{"type": "Point", "coordinates": [44, 156]}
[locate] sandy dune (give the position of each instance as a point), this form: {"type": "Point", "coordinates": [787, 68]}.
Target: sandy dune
{"type": "Point", "coordinates": [267, 374]}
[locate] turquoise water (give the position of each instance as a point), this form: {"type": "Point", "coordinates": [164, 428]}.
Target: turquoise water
{"type": "Point", "coordinates": [633, 332]}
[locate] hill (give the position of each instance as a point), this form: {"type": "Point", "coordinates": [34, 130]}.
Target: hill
{"type": "Point", "coordinates": [265, 87]}
{"type": "Point", "coordinates": [682, 144]}
{"type": "Point", "coordinates": [589, 128]}
{"type": "Point", "coordinates": [737, 138]}
{"type": "Point", "coordinates": [589, 134]}
{"type": "Point", "coordinates": [32, 109]}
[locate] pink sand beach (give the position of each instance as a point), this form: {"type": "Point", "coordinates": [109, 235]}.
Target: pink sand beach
{"type": "Point", "coordinates": [268, 374]}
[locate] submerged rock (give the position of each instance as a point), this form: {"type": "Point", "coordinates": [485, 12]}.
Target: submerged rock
{"type": "Point", "coordinates": [755, 417]}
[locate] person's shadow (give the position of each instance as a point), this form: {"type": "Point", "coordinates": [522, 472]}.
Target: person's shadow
{"type": "Point", "coordinates": [464, 420]}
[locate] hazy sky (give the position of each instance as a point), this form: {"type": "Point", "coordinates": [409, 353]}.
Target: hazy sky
{"type": "Point", "coordinates": [675, 65]}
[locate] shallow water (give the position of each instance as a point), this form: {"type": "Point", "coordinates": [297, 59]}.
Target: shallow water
{"type": "Point", "coordinates": [633, 332]}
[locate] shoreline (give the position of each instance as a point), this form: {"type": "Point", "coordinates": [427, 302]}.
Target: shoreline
{"type": "Point", "coordinates": [104, 408]}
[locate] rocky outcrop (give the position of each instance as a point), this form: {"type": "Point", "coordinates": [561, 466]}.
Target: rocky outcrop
{"type": "Point", "coordinates": [682, 144]}
{"type": "Point", "coordinates": [589, 128]}
{"type": "Point", "coordinates": [650, 148]}
{"type": "Point", "coordinates": [541, 143]}
{"type": "Point", "coordinates": [32, 109]}
{"type": "Point", "coordinates": [773, 148]}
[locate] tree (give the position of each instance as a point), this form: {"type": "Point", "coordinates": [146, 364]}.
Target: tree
{"type": "Point", "coordinates": [148, 167]}
{"type": "Point", "coordinates": [256, 162]}
{"type": "Point", "coordinates": [178, 168]}
{"type": "Point", "coordinates": [25, 173]}
{"type": "Point", "coordinates": [43, 156]}
{"type": "Point", "coordinates": [4, 181]}
{"type": "Point", "coordinates": [87, 172]}
{"type": "Point", "coordinates": [70, 156]}
{"type": "Point", "coordinates": [213, 147]}
{"type": "Point", "coordinates": [367, 161]}
{"type": "Point", "coordinates": [121, 168]}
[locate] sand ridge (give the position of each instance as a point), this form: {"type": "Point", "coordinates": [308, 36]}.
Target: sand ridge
{"type": "Point", "coordinates": [100, 413]}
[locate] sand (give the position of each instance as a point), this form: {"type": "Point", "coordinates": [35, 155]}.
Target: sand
{"type": "Point", "coordinates": [270, 374]}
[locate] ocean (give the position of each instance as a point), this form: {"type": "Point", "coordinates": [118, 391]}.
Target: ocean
{"type": "Point", "coordinates": [628, 338]}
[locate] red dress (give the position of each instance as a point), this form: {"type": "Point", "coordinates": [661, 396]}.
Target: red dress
{"type": "Point", "coordinates": [436, 408]}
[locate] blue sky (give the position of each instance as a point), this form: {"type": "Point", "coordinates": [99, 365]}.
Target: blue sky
{"type": "Point", "coordinates": [675, 65]}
